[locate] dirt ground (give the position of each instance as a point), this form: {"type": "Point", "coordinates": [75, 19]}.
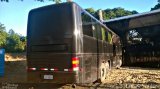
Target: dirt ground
{"type": "Point", "coordinates": [15, 68]}
{"type": "Point", "coordinates": [130, 77]}
{"type": "Point", "coordinates": [134, 75]}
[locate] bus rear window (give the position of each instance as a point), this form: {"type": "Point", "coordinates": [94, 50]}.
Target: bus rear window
{"type": "Point", "coordinates": [49, 23]}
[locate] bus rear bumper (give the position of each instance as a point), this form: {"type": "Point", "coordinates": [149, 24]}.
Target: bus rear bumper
{"type": "Point", "coordinates": [57, 77]}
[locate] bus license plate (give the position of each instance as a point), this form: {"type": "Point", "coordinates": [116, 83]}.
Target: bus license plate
{"type": "Point", "coordinates": [48, 76]}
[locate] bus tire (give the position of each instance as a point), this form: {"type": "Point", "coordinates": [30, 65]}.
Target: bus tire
{"type": "Point", "coordinates": [107, 67]}
{"type": "Point", "coordinates": [103, 72]}
{"type": "Point", "coordinates": [119, 63]}
{"type": "Point", "coordinates": [73, 85]}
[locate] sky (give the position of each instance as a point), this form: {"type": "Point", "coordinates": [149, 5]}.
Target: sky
{"type": "Point", "coordinates": [15, 13]}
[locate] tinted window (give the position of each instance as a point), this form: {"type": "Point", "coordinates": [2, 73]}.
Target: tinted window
{"type": "Point", "coordinates": [50, 23]}
{"type": "Point", "coordinates": [93, 28]}
{"type": "Point", "coordinates": [87, 24]}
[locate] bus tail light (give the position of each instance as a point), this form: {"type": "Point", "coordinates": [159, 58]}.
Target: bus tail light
{"type": "Point", "coordinates": [75, 63]}
{"type": "Point", "coordinates": [53, 69]}
{"type": "Point", "coordinates": [43, 68]}
{"type": "Point", "coordinates": [31, 69]}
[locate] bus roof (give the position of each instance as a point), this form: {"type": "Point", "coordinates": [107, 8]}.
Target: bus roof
{"type": "Point", "coordinates": [65, 3]}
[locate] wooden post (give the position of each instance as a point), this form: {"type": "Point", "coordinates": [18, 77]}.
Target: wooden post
{"type": "Point", "coordinates": [100, 14]}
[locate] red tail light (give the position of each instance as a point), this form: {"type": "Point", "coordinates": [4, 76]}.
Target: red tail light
{"type": "Point", "coordinates": [75, 63]}
{"type": "Point", "coordinates": [43, 68]}
{"type": "Point", "coordinates": [53, 69]}
{"type": "Point", "coordinates": [32, 69]}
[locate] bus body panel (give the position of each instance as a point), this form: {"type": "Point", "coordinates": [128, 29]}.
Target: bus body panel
{"type": "Point", "coordinates": [90, 59]}
{"type": "Point", "coordinates": [58, 77]}
{"type": "Point", "coordinates": [49, 43]}
{"type": "Point", "coordinates": [55, 35]}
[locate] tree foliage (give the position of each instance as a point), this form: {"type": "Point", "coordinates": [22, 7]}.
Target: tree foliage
{"type": "Point", "coordinates": [112, 13]}
{"type": "Point", "coordinates": [117, 12]}
{"type": "Point", "coordinates": [90, 10]}
{"type": "Point", "coordinates": [11, 41]}
{"type": "Point", "coordinates": [14, 42]}
{"type": "Point", "coordinates": [3, 36]}
{"type": "Point", "coordinates": [156, 6]}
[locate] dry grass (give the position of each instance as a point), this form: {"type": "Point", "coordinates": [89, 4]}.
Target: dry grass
{"type": "Point", "coordinates": [15, 56]}
{"type": "Point", "coordinates": [15, 68]}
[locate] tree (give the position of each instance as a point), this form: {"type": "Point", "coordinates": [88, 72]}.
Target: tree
{"type": "Point", "coordinates": [156, 6]}
{"type": "Point", "coordinates": [134, 12]}
{"type": "Point", "coordinates": [15, 42]}
{"type": "Point", "coordinates": [116, 12]}
{"type": "Point", "coordinates": [3, 36]}
{"type": "Point", "coordinates": [111, 13]}
{"type": "Point", "coordinates": [90, 10]}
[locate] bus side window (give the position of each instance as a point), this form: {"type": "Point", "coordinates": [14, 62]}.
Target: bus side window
{"type": "Point", "coordinates": [99, 32]}
{"type": "Point", "coordinates": [110, 37]}
{"type": "Point", "coordinates": [87, 24]}
{"type": "Point", "coordinates": [94, 31]}
{"type": "Point", "coordinates": [106, 35]}
{"type": "Point", "coordinates": [87, 30]}
{"type": "Point", "coordinates": [103, 34]}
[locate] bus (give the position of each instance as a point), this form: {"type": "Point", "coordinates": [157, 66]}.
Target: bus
{"type": "Point", "coordinates": [66, 44]}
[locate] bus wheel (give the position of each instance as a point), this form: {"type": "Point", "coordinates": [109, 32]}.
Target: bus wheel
{"type": "Point", "coordinates": [103, 71]}
{"type": "Point", "coordinates": [107, 67]}
{"type": "Point", "coordinates": [73, 85]}
{"type": "Point", "coordinates": [119, 63]}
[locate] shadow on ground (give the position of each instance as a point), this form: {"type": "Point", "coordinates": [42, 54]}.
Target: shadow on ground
{"type": "Point", "coordinates": [15, 71]}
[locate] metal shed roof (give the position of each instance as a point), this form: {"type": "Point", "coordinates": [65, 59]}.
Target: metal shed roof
{"type": "Point", "coordinates": [118, 25]}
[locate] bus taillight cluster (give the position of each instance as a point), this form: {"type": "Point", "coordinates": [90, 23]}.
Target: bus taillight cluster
{"type": "Point", "coordinates": [75, 63]}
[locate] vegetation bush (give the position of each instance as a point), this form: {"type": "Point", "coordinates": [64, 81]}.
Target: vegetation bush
{"type": "Point", "coordinates": [11, 41]}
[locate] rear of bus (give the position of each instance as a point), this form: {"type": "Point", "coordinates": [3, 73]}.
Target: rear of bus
{"type": "Point", "coordinates": [50, 44]}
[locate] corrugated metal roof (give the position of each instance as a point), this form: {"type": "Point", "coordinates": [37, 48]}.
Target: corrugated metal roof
{"type": "Point", "coordinates": [147, 19]}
